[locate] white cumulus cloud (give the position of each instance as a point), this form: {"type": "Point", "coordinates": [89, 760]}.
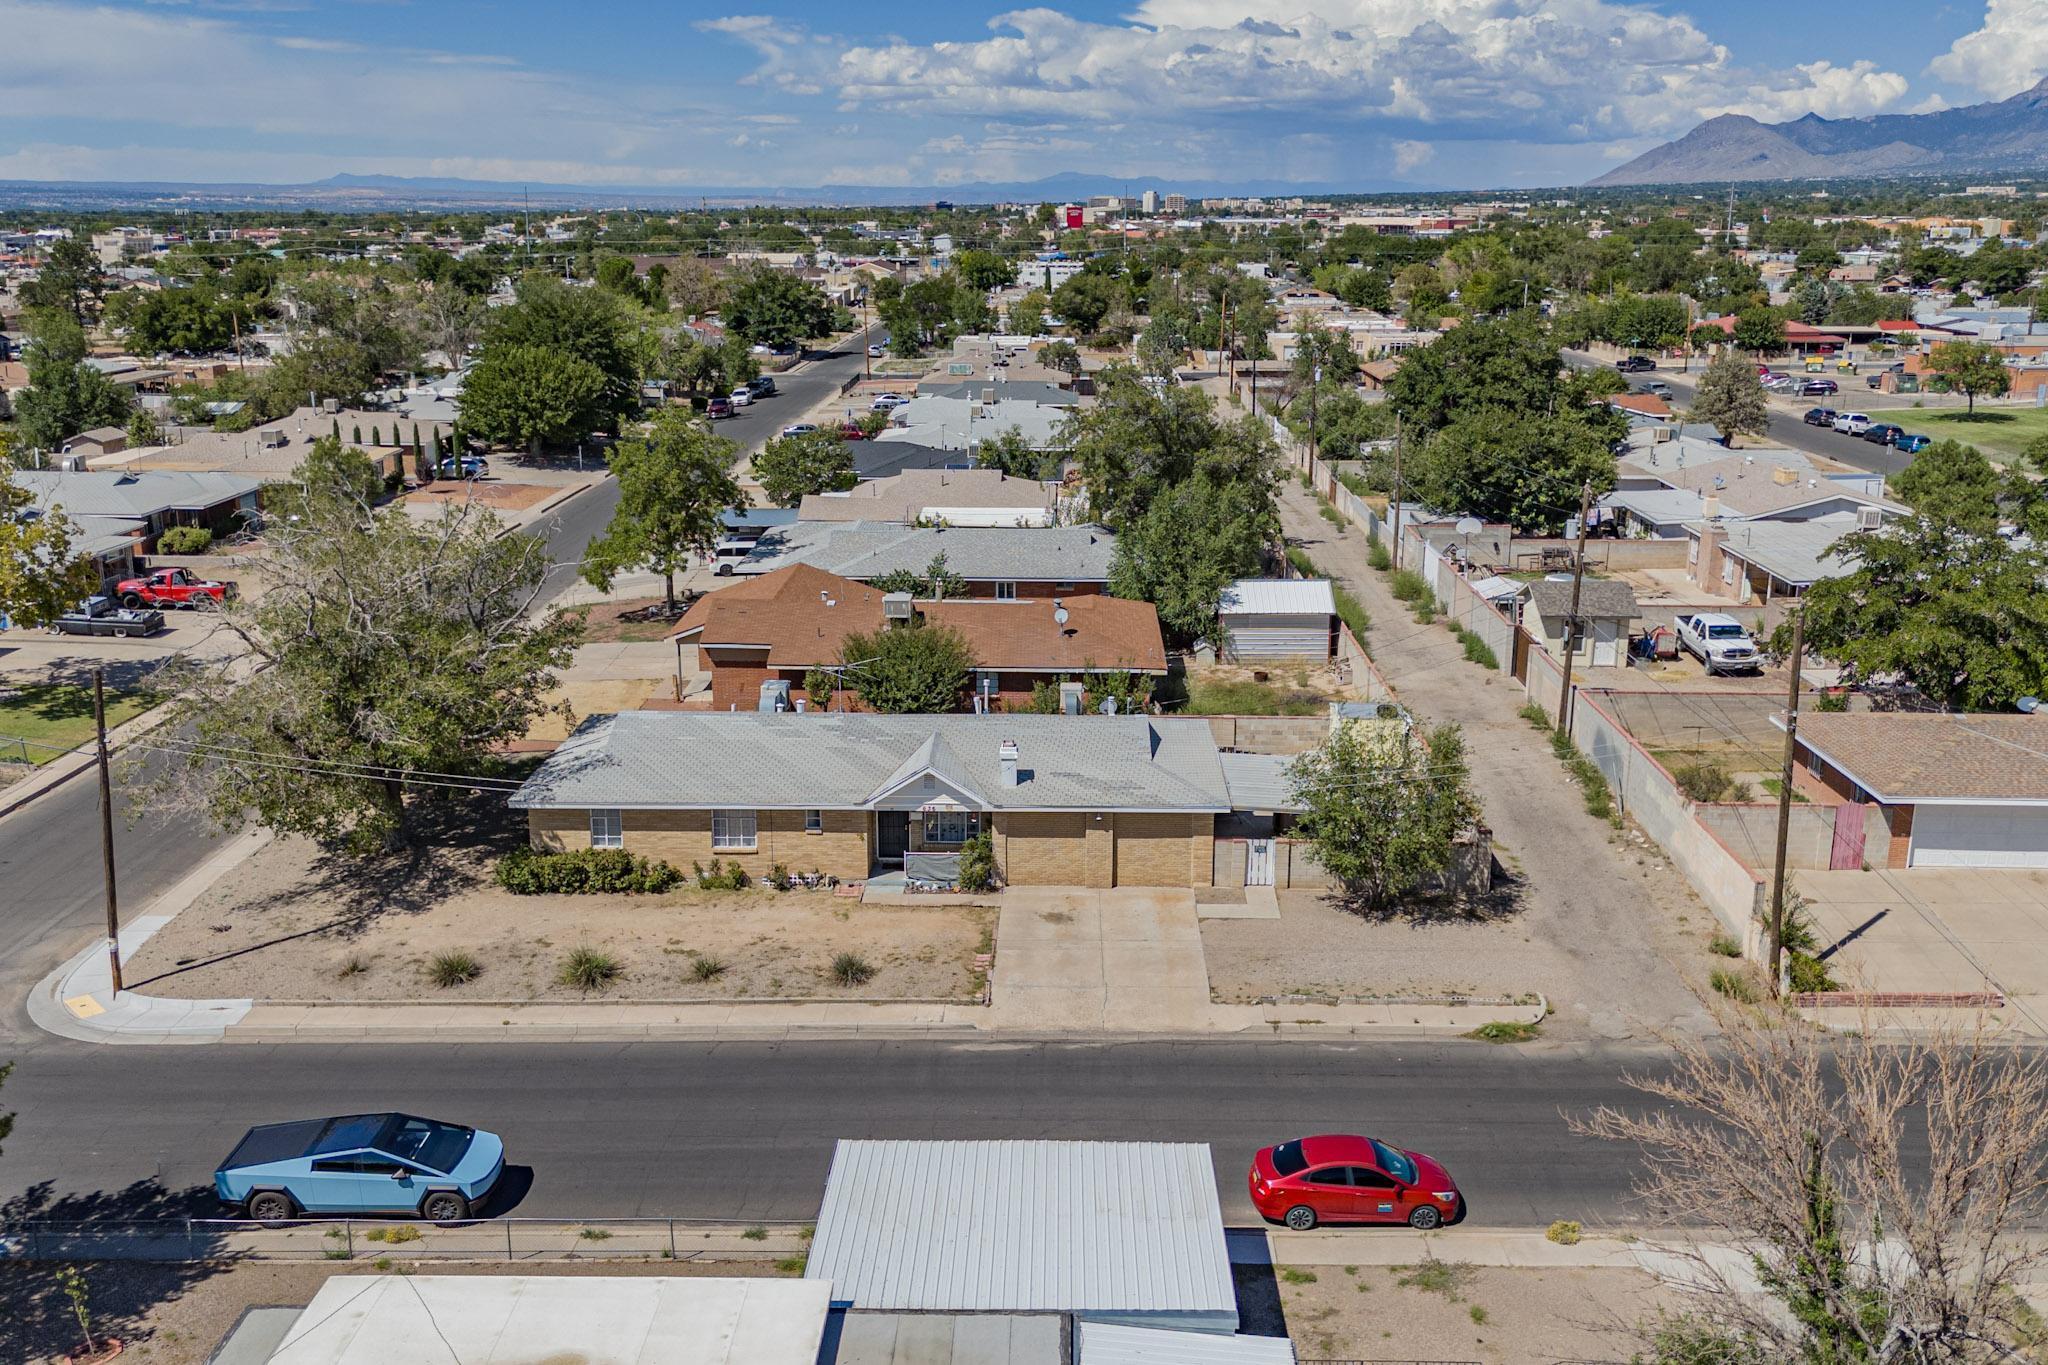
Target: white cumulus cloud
{"type": "Point", "coordinates": [2007, 55]}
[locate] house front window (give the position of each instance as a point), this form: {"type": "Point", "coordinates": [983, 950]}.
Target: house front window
{"type": "Point", "coordinates": [605, 830]}
{"type": "Point", "coordinates": [732, 829]}
{"type": "Point", "coordinates": [950, 826]}
{"type": "Point", "coordinates": [1006, 592]}
{"type": "Point", "coordinates": [814, 822]}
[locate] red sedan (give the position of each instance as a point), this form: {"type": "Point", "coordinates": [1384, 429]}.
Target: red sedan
{"type": "Point", "coordinates": [1335, 1179]}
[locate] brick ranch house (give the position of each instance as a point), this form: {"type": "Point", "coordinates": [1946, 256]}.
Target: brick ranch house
{"type": "Point", "coordinates": [1939, 790]}
{"type": "Point", "coordinates": [1098, 801]}
{"type": "Point", "coordinates": [776, 628]}
{"type": "Point", "coordinates": [1004, 562]}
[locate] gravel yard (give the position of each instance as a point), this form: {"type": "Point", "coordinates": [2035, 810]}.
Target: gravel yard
{"type": "Point", "coordinates": [294, 923]}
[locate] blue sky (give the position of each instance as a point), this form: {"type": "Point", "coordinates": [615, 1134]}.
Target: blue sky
{"type": "Point", "coordinates": [774, 92]}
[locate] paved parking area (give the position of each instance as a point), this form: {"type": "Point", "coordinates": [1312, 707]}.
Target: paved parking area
{"type": "Point", "coordinates": [40, 656]}
{"type": "Point", "coordinates": [1938, 930]}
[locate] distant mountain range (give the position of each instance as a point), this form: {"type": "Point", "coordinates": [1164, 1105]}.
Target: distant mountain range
{"type": "Point", "coordinates": [382, 192]}
{"type": "Point", "coordinates": [2004, 136]}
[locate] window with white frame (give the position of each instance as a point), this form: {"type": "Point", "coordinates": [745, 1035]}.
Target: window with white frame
{"type": "Point", "coordinates": [732, 829]}
{"type": "Point", "coordinates": [814, 822]}
{"type": "Point", "coordinates": [605, 830]}
{"type": "Point", "coordinates": [1006, 592]}
{"type": "Point", "coordinates": [949, 826]}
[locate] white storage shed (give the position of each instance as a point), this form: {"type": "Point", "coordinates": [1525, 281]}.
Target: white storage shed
{"type": "Point", "coordinates": [1279, 618]}
{"type": "Point", "coordinates": [1120, 1232]}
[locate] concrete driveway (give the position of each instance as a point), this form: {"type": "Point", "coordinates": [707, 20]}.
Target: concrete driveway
{"type": "Point", "coordinates": [1127, 960]}
{"type": "Point", "coordinates": [1938, 930]}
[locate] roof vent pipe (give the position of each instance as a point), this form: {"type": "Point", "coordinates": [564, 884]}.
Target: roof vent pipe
{"type": "Point", "coordinates": [1007, 752]}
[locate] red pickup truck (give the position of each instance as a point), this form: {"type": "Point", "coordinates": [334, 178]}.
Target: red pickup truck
{"type": "Point", "coordinates": [172, 588]}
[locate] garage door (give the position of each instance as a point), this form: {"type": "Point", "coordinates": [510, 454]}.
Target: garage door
{"type": "Point", "coordinates": [1980, 836]}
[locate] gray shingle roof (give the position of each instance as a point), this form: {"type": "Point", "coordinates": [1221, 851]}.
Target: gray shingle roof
{"type": "Point", "coordinates": [868, 550]}
{"type": "Point", "coordinates": [1600, 598]}
{"type": "Point", "coordinates": [131, 495]}
{"type": "Point", "coordinates": [678, 760]}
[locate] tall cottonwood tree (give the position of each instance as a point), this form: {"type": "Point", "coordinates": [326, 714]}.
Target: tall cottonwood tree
{"type": "Point", "coordinates": [673, 483]}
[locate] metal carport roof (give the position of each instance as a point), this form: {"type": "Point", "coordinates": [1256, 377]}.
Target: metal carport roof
{"type": "Point", "coordinates": [1116, 1231]}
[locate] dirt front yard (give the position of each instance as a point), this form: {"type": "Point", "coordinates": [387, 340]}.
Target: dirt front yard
{"type": "Point", "coordinates": [296, 923]}
{"type": "Point", "coordinates": [1450, 1311]}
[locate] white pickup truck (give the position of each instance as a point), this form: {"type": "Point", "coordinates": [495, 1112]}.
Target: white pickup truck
{"type": "Point", "coordinates": [1723, 643]}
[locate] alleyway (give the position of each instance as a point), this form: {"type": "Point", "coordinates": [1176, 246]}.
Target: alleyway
{"type": "Point", "coordinates": [1597, 915]}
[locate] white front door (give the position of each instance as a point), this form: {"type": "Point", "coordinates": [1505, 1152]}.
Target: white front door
{"type": "Point", "coordinates": [1258, 862]}
{"type": "Point", "coordinates": [1606, 643]}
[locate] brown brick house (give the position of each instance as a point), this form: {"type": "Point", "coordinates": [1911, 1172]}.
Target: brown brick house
{"type": "Point", "coordinates": [1070, 800]}
{"type": "Point", "coordinates": [778, 627]}
{"type": "Point", "coordinates": [1949, 790]}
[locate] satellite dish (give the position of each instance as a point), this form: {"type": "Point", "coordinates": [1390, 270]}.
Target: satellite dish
{"type": "Point", "coordinates": [1470, 526]}
{"type": "Point", "coordinates": [1059, 616]}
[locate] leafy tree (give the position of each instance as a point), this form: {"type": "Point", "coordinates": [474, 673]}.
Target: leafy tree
{"type": "Point", "coordinates": [1027, 314]}
{"type": "Point", "coordinates": [586, 325]}
{"type": "Point", "coordinates": [1135, 443]}
{"type": "Point", "coordinates": [1510, 365]}
{"type": "Point", "coordinates": [1526, 470]}
{"type": "Point", "coordinates": [1954, 483]}
{"type": "Point", "coordinates": [143, 429]}
{"type": "Point", "coordinates": [935, 582]}
{"type": "Point", "coordinates": [1084, 301]}
{"type": "Point", "coordinates": [1010, 452]}
{"type": "Point", "coordinates": [1731, 398]}
{"type": "Point", "coordinates": [1344, 421]}
{"type": "Point", "coordinates": [317, 367]}
{"type": "Point", "coordinates": [1760, 331]}
{"type": "Point", "coordinates": [788, 467]}
{"type": "Point", "coordinates": [69, 279]}
{"type": "Point", "coordinates": [695, 287]}
{"type": "Point", "coordinates": [533, 395]}
{"type": "Point", "coordinates": [393, 648]}
{"type": "Point", "coordinates": [1189, 542]}
{"type": "Point", "coordinates": [770, 307]}
{"type": "Point", "coordinates": [64, 395]}
{"type": "Point", "coordinates": [160, 321]}
{"type": "Point", "coordinates": [1060, 355]}
{"type": "Point", "coordinates": [332, 481]}
{"type": "Point", "coordinates": [1382, 806]}
{"type": "Point", "coordinates": [1957, 612]}
{"type": "Point", "coordinates": [1323, 356]}
{"type": "Point", "coordinates": [705, 370]}
{"type": "Point", "coordinates": [453, 322]}
{"type": "Point", "coordinates": [983, 270]}
{"type": "Point", "coordinates": [1971, 368]}
{"type": "Point", "coordinates": [41, 576]}
{"type": "Point", "coordinates": [912, 668]}
{"type": "Point", "coordinates": [672, 486]}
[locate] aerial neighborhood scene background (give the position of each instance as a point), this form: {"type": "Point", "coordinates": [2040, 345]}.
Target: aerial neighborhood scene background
{"type": "Point", "coordinates": [1328, 684]}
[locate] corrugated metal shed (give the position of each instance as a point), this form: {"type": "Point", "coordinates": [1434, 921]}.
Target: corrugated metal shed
{"type": "Point", "coordinates": [1281, 596]}
{"type": "Point", "coordinates": [1104, 1343]}
{"type": "Point", "coordinates": [1120, 1231]}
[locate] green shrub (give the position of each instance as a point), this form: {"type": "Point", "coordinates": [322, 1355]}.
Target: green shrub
{"type": "Point", "coordinates": [454, 968]}
{"type": "Point", "coordinates": [1707, 782]}
{"type": "Point", "coordinates": [1303, 565]}
{"type": "Point", "coordinates": [1535, 715]}
{"type": "Point", "coordinates": [590, 969]}
{"type": "Point", "coordinates": [1378, 557]}
{"type": "Point", "coordinates": [184, 540]}
{"type": "Point", "coordinates": [1409, 586]}
{"type": "Point", "coordinates": [1504, 1031]}
{"type": "Point", "coordinates": [851, 969]}
{"type": "Point", "coordinates": [720, 876]}
{"type": "Point", "coordinates": [1565, 1232]}
{"type": "Point", "coordinates": [1724, 945]}
{"type": "Point", "coordinates": [1809, 974]}
{"type": "Point", "coordinates": [1831, 701]}
{"type": "Point", "coordinates": [1331, 514]}
{"type": "Point", "coordinates": [1736, 984]}
{"type": "Point", "coordinates": [705, 967]}
{"type": "Point", "coordinates": [1476, 649]}
{"type": "Point", "coordinates": [1296, 1275]}
{"type": "Point", "coordinates": [978, 863]}
{"type": "Point", "coordinates": [1351, 612]}
{"type": "Point", "coordinates": [582, 871]}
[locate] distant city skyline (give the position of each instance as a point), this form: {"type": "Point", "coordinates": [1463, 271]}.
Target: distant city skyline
{"type": "Point", "coordinates": [1346, 92]}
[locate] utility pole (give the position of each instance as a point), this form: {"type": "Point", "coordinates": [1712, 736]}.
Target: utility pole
{"type": "Point", "coordinates": [1222, 333]}
{"type": "Point", "coordinates": [1785, 797]}
{"type": "Point", "coordinates": [99, 721]}
{"type": "Point", "coordinates": [1315, 383]}
{"type": "Point", "coordinates": [867, 331]}
{"type": "Point", "coordinates": [1571, 621]}
{"type": "Point", "coordinates": [1399, 442]}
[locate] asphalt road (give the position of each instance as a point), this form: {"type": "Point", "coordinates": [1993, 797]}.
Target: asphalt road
{"type": "Point", "coordinates": [1790, 430]}
{"type": "Point", "coordinates": [745, 1130]}
{"type": "Point", "coordinates": [583, 518]}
